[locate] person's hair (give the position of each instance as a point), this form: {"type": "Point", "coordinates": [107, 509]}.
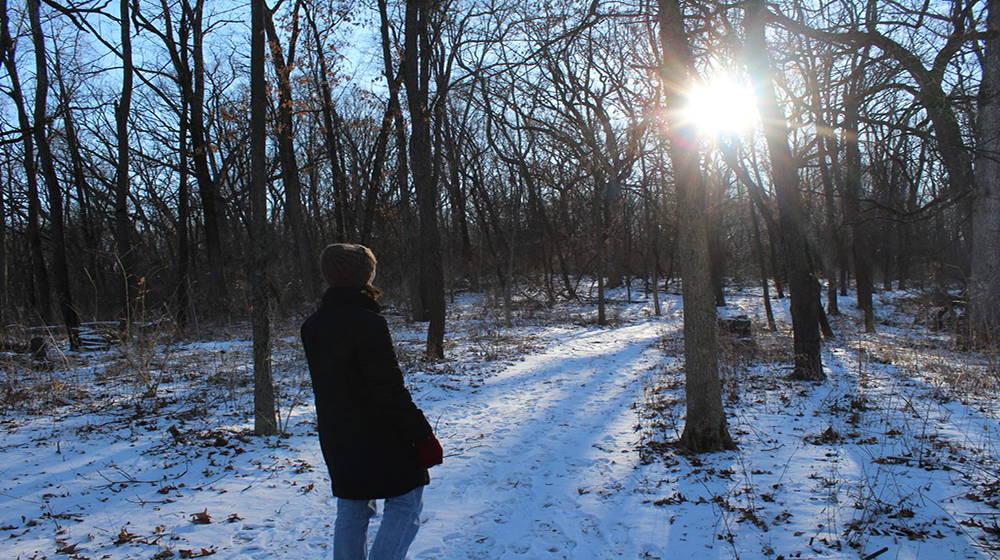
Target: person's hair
{"type": "Point", "coordinates": [372, 291]}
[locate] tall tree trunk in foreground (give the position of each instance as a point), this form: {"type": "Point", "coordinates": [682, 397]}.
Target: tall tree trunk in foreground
{"type": "Point", "coordinates": [69, 314]}
{"type": "Point", "coordinates": [416, 77]}
{"type": "Point", "coordinates": [705, 426]}
{"type": "Point", "coordinates": [984, 286]}
{"type": "Point", "coordinates": [123, 245]}
{"type": "Point", "coordinates": [803, 286]}
{"type": "Point", "coordinates": [40, 295]}
{"type": "Point", "coordinates": [263, 394]}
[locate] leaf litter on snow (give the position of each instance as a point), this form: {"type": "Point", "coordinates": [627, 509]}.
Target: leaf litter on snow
{"type": "Point", "coordinates": [884, 454]}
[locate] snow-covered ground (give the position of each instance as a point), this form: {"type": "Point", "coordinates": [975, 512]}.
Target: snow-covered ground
{"type": "Point", "coordinates": [557, 436]}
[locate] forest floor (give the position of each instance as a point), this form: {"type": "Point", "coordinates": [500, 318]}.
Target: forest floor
{"type": "Point", "coordinates": [558, 440]}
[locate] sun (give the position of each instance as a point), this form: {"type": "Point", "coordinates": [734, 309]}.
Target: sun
{"type": "Point", "coordinates": [720, 105]}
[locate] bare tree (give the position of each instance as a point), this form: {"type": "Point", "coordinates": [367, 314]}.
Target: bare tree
{"type": "Point", "coordinates": [804, 288]}
{"type": "Point", "coordinates": [123, 243]}
{"type": "Point", "coordinates": [39, 293]}
{"type": "Point", "coordinates": [264, 418]}
{"type": "Point", "coordinates": [984, 285]}
{"type": "Point", "coordinates": [416, 66]}
{"type": "Point", "coordinates": [705, 426]}
{"type": "Point", "coordinates": [69, 313]}
{"type": "Point", "coordinates": [852, 183]}
{"type": "Point", "coordinates": [927, 87]}
{"type": "Point", "coordinates": [308, 269]}
{"type": "Point", "coordinates": [189, 69]}
{"type": "Point", "coordinates": [410, 260]}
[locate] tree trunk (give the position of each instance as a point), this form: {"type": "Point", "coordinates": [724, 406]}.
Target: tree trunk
{"type": "Point", "coordinates": [834, 244]}
{"type": "Point", "coordinates": [852, 180]}
{"type": "Point", "coordinates": [716, 243]}
{"type": "Point", "coordinates": [717, 262]}
{"type": "Point", "coordinates": [308, 267]}
{"type": "Point", "coordinates": [330, 128]}
{"type": "Point", "coordinates": [602, 248]}
{"type": "Point", "coordinates": [70, 317]}
{"type": "Point", "coordinates": [508, 278]}
{"type": "Point", "coordinates": [554, 234]}
{"type": "Point", "coordinates": [705, 426]}
{"type": "Point", "coordinates": [4, 268]}
{"type": "Point", "coordinates": [123, 244]}
{"type": "Point", "coordinates": [906, 250]}
{"type": "Point", "coordinates": [805, 299]}
{"type": "Point", "coordinates": [411, 271]}
{"type": "Point", "coordinates": [416, 78]}
{"type": "Point", "coordinates": [889, 230]}
{"type": "Point", "coordinates": [375, 179]}
{"type": "Point", "coordinates": [838, 187]}
{"type": "Point", "coordinates": [453, 144]}
{"type": "Point", "coordinates": [759, 250]}
{"type": "Point", "coordinates": [183, 219]}
{"type": "Point", "coordinates": [984, 285]}
{"type": "Point", "coordinates": [263, 396]}
{"type": "Point", "coordinates": [207, 188]}
{"type": "Point", "coordinates": [79, 183]}
{"type": "Point", "coordinates": [39, 290]}
{"type": "Point", "coordinates": [653, 261]}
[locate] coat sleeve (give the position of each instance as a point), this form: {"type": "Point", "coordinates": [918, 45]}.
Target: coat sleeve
{"type": "Point", "coordinates": [384, 380]}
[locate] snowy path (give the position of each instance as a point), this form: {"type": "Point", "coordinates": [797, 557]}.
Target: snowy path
{"type": "Point", "coordinates": [539, 451]}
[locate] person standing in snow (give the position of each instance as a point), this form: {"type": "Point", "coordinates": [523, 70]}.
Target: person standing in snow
{"type": "Point", "coordinates": [376, 443]}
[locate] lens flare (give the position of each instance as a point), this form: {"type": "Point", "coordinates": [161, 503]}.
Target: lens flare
{"type": "Point", "coordinates": [721, 105]}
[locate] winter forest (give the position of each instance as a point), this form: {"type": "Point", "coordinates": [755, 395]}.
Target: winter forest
{"type": "Point", "coordinates": [668, 279]}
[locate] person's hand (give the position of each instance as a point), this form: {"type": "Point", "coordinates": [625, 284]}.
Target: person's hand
{"type": "Point", "coordinates": [429, 452]}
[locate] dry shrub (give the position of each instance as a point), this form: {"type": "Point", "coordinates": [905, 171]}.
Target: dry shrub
{"type": "Point", "coordinates": [35, 384]}
{"type": "Point", "coordinates": [958, 373]}
{"type": "Point", "coordinates": [492, 343]}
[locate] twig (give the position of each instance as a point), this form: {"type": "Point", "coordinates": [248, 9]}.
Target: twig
{"type": "Point", "coordinates": [877, 553]}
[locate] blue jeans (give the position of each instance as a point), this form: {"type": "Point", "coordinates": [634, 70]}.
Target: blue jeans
{"type": "Point", "coordinates": [400, 521]}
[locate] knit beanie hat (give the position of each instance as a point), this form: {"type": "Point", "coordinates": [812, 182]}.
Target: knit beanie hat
{"type": "Point", "coordinates": [347, 265]}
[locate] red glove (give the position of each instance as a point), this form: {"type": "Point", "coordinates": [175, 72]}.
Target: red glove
{"type": "Point", "coordinates": [429, 452]}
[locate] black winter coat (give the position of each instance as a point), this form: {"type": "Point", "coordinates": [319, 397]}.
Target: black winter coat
{"type": "Point", "coordinates": [367, 420]}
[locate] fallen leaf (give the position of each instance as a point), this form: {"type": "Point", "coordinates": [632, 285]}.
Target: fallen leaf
{"type": "Point", "coordinates": [69, 549]}
{"type": "Point", "coordinates": [201, 518]}
{"type": "Point", "coordinates": [196, 553]}
{"type": "Point", "coordinates": [124, 537]}
{"type": "Point", "coordinates": [178, 437]}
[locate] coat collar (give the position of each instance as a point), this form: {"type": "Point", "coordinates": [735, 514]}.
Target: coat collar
{"type": "Point", "coordinates": [353, 296]}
